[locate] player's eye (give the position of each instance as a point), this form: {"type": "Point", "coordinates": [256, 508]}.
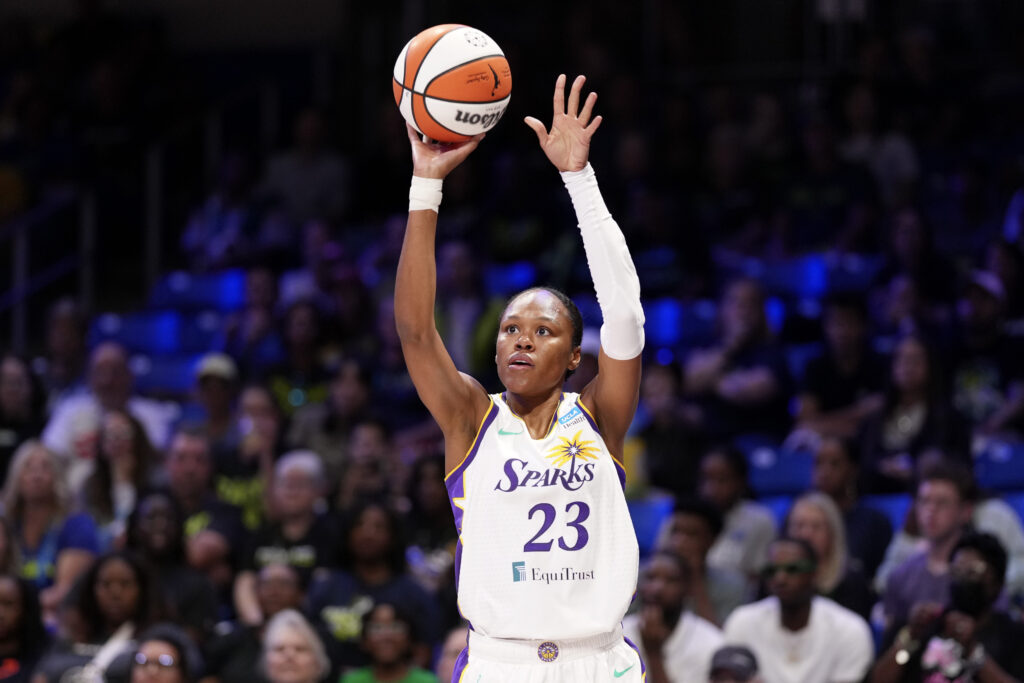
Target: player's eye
{"type": "Point", "coordinates": [511, 329]}
{"type": "Point", "coordinates": [543, 330]}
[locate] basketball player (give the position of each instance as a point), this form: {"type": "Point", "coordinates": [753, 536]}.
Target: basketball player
{"type": "Point", "coordinates": [547, 558]}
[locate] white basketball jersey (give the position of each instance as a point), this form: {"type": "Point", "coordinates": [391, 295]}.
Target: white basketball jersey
{"type": "Point", "coordinates": [546, 545]}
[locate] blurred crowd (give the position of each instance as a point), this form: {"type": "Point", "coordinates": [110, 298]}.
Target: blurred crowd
{"type": "Point", "coordinates": [286, 519]}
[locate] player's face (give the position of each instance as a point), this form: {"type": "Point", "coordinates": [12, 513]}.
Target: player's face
{"type": "Point", "coordinates": [534, 347]}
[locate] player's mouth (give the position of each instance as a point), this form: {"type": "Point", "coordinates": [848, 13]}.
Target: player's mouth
{"type": "Point", "coordinates": [520, 360]}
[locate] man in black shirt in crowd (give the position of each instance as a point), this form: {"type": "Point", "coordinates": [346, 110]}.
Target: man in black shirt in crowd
{"type": "Point", "coordinates": [969, 634]}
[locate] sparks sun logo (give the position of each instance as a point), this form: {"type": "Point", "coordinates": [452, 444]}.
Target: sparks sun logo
{"type": "Point", "coordinates": [572, 449]}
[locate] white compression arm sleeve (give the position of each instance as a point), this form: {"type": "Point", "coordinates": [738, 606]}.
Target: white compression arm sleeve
{"type": "Point", "coordinates": [615, 280]}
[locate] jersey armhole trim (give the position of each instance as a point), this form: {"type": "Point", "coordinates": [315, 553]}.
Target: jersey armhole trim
{"type": "Point", "coordinates": [492, 412]}
{"type": "Point", "coordinates": [593, 423]}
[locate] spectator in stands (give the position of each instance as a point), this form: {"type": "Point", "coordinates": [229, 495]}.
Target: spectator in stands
{"type": "Point", "coordinates": [728, 206]}
{"type": "Point", "coordinates": [321, 255]}
{"type": "Point", "coordinates": [690, 532]}
{"type": "Point", "coordinates": [842, 386]}
{"type": "Point", "coordinates": [214, 534]}
{"type": "Point", "coordinates": [122, 470]}
{"type": "Point", "coordinates": [116, 600]}
{"type": "Point", "coordinates": [22, 411]}
{"type": "Point", "coordinates": [430, 533]}
{"type": "Point", "coordinates": [817, 520]}
{"type": "Point", "coordinates": [301, 379]}
{"type": "Point", "coordinates": [292, 652]}
{"type": "Point", "coordinates": [297, 533]}
{"type": "Point", "coordinates": [23, 639]}
{"type": "Point", "coordinates": [986, 369]}
{"type": "Point", "coordinates": [10, 553]}
{"type": "Point", "coordinates": [62, 368]}
{"type": "Point", "coordinates": [216, 391]}
{"type": "Point", "coordinates": [389, 639]}
{"type": "Point", "coordinates": [742, 383]}
{"type": "Point", "coordinates": [916, 417]}
{"type": "Point", "coordinates": [749, 527]}
{"type": "Point", "coordinates": [465, 313]}
{"type": "Point", "coordinates": [911, 252]}
{"type": "Point", "coordinates": [374, 471]}
{"type": "Point", "coordinates": [868, 531]}
{"type": "Point", "coordinates": [242, 477]}
{"type": "Point", "coordinates": [671, 442]}
{"type": "Point", "coordinates": [943, 507]}
{"type": "Point", "coordinates": [73, 430]}
{"type": "Point", "coordinates": [828, 203]}
{"type": "Point", "coordinates": [165, 654]}
{"type": "Point", "coordinates": [734, 664]}
{"type": "Point", "coordinates": [991, 515]}
{"type": "Point", "coordinates": [232, 656]}
{"type": "Point", "coordinates": [225, 229]}
{"type": "Point", "coordinates": [326, 427]}
{"type": "Point", "coordinates": [887, 152]}
{"type": "Point", "coordinates": [796, 635]}
{"type": "Point", "coordinates": [155, 533]}
{"type": "Point", "coordinates": [454, 643]}
{"type": "Point", "coordinates": [309, 180]}
{"type": "Point", "coordinates": [373, 570]}
{"type": "Point", "coordinates": [967, 636]}
{"type": "Point", "coordinates": [1006, 261]}
{"type": "Point", "coordinates": [675, 644]}
{"type": "Point", "coordinates": [56, 545]}
{"type": "Point", "coordinates": [250, 335]}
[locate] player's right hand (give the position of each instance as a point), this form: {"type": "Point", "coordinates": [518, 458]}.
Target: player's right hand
{"type": "Point", "coordinates": [438, 159]}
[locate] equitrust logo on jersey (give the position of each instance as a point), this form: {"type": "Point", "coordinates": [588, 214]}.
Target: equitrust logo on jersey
{"type": "Point", "coordinates": [522, 573]}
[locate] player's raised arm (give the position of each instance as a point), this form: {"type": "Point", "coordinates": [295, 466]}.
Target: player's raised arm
{"type": "Point", "coordinates": [456, 401]}
{"type": "Point", "coordinates": [614, 393]}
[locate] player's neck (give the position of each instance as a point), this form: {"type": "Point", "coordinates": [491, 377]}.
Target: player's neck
{"type": "Point", "coordinates": [535, 411]}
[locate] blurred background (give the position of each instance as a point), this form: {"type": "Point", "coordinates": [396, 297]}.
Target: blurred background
{"type": "Point", "coordinates": [824, 200]}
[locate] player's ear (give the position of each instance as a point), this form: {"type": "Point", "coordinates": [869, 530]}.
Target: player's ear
{"type": "Point", "coordinates": [577, 356]}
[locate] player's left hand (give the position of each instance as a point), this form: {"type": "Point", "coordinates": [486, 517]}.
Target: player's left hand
{"type": "Point", "coordinates": [567, 144]}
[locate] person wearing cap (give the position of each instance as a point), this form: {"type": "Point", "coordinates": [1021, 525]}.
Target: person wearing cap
{"type": "Point", "coordinates": [734, 664]}
{"type": "Point", "coordinates": [798, 636]}
{"type": "Point", "coordinates": [216, 385]}
{"type": "Point", "coordinates": [986, 371]}
{"type": "Point", "coordinates": [675, 644]}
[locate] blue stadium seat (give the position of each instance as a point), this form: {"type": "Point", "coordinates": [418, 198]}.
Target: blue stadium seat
{"type": "Point", "coordinates": [148, 332]}
{"type": "Point", "coordinates": [672, 323]}
{"type": "Point", "coordinates": [1016, 501]}
{"type": "Point", "coordinates": [895, 506]}
{"type": "Point", "coordinates": [165, 375]}
{"type": "Point", "coordinates": [774, 471]}
{"type": "Point", "coordinates": [223, 291]}
{"type": "Point", "coordinates": [798, 355]}
{"type": "Point", "coordinates": [507, 279]}
{"type": "Point", "coordinates": [201, 331]}
{"type": "Point", "coordinates": [647, 515]}
{"type": "Point", "coordinates": [1000, 467]}
{"type": "Point", "coordinates": [779, 505]}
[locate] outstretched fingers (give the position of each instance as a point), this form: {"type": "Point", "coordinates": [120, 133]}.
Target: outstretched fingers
{"type": "Point", "coordinates": [574, 95]}
{"type": "Point", "coordinates": [588, 109]}
{"type": "Point", "coordinates": [538, 128]}
{"type": "Point", "coordinates": [594, 125]}
{"type": "Point", "coordinates": [560, 94]}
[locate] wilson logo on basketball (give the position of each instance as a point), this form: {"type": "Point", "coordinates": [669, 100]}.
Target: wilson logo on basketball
{"type": "Point", "coordinates": [483, 120]}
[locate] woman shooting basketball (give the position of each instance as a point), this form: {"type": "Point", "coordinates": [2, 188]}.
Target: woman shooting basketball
{"type": "Point", "coordinates": [547, 558]}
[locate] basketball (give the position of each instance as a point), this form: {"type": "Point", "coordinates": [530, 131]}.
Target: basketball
{"type": "Point", "coordinates": [452, 82]}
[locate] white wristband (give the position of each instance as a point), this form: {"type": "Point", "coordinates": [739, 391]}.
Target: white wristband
{"type": "Point", "coordinates": [425, 193]}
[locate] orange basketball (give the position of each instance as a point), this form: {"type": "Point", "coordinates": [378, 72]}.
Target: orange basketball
{"type": "Point", "coordinates": [452, 82]}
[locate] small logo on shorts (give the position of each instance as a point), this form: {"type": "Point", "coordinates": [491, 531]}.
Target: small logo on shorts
{"type": "Point", "coordinates": [518, 572]}
{"type": "Point", "coordinates": [548, 652]}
